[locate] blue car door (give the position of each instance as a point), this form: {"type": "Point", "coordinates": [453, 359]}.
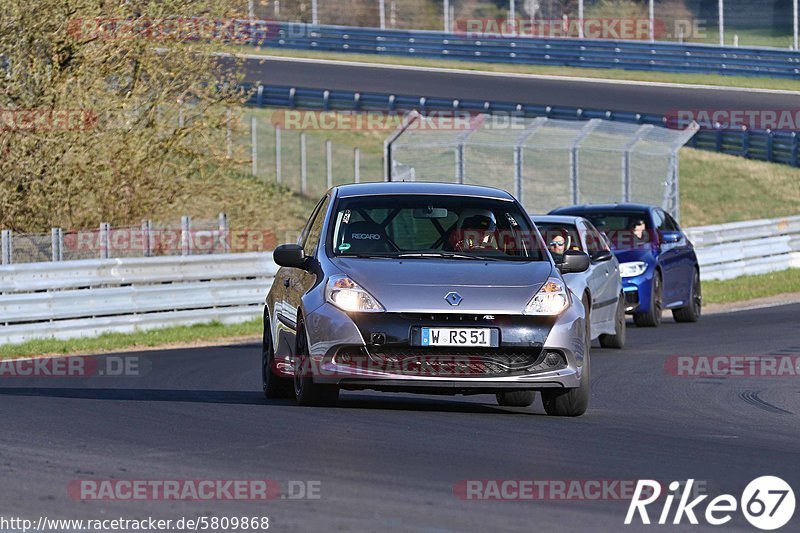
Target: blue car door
{"type": "Point", "coordinates": [669, 257]}
{"type": "Point", "coordinates": [685, 259]}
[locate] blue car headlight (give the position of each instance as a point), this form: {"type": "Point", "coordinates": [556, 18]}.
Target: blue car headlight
{"type": "Point", "coordinates": [634, 268]}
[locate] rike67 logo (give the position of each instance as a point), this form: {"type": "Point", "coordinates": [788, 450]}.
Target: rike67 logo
{"type": "Point", "coordinates": [767, 503]}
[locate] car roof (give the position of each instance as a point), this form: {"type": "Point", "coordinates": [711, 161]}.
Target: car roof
{"type": "Point", "coordinates": [420, 187]}
{"type": "Point", "coordinates": [595, 208]}
{"type": "Point", "coordinates": [556, 219]}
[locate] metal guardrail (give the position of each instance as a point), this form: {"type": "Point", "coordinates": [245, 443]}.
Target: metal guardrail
{"type": "Point", "coordinates": [765, 145]}
{"type": "Point", "coordinates": [88, 297]}
{"type": "Point", "coordinates": [629, 55]}
{"type": "Point", "coordinates": [727, 251]}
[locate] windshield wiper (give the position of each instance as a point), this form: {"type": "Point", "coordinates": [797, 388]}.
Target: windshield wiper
{"type": "Point", "coordinates": [447, 255]}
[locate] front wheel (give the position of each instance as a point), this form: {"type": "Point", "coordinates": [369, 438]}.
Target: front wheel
{"type": "Point", "coordinates": [652, 317]}
{"type": "Point", "coordinates": [305, 390]}
{"type": "Point", "coordinates": [617, 340]}
{"type": "Point", "coordinates": [575, 401]}
{"type": "Point", "coordinates": [273, 386]}
{"type": "Point", "coordinates": [691, 313]}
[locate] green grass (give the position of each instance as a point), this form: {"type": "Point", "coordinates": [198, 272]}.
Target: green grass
{"type": "Point", "coordinates": [615, 74]}
{"type": "Point", "coordinates": [111, 342]}
{"type": "Point", "coordinates": [749, 287]}
{"type": "Point", "coordinates": [717, 188]}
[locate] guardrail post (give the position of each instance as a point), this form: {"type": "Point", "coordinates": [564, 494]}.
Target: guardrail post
{"type": "Point", "coordinates": [770, 145]}
{"type": "Point", "coordinates": [186, 235]}
{"type": "Point", "coordinates": [57, 244]}
{"type": "Point", "coordinates": [7, 245]}
{"type": "Point", "coordinates": [147, 238]}
{"type": "Point", "coordinates": [745, 143]}
{"type": "Point", "coordinates": [794, 149]}
{"type": "Point", "coordinates": [292, 98]}
{"type": "Point", "coordinates": [224, 233]}
{"type": "Point", "coordinates": [329, 163]}
{"type": "Point", "coordinates": [326, 100]}
{"type": "Point", "coordinates": [357, 165]}
{"type": "Point", "coordinates": [278, 176]}
{"type": "Point", "coordinates": [105, 240]}
{"type": "Point", "coordinates": [303, 164]}
{"type": "Point", "coordinates": [260, 95]}
{"type": "Point", "coordinates": [254, 146]}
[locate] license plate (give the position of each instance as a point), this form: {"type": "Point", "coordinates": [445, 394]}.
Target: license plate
{"type": "Point", "coordinates": [456, 337]}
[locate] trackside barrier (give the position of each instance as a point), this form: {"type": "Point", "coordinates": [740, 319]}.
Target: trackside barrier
{"type": "Point", "coordinates": [727, 251]}
{"type": "Point", "coordinates": [765, 145]}
{"type": "Point", "coordinates": [590, 53]}
{"type": "Point", "coordinates": [84, 298]}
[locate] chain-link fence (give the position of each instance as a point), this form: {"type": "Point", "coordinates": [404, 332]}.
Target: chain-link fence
{"type": "Point", "coordinates": [150, 239]}
{"type": "Point", "coordinates": [546, 163]}
{"type": "Point", "coordinates": [732, 22]}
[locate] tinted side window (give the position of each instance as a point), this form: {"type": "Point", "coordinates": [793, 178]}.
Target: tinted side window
{"type": "Point", "coordinates": [658, 219]}
{"type": "Point", "coordinates": [594, 243]}
{"type": "Point", "coordinates": [314, 230]}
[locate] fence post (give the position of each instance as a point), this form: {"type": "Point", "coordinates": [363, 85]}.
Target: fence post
{"type": "Point", "coordinates": [518, 172]}
{"type": "Point", "coordinates": [574, 172]}
{"type": "Point", "coordinates": [460, 163]}
{"type": "Point", "coordinates": [186, 235]}
{"type": "Point", "coordinates": [329, 163]}
{"type": "Point", "coordinates": [57, 244]}
{"type": "Point", "coordinates": [357, 165]}
{"type": "Point", "coordinates": [223, 233]}
{"type": "Point", "coordinates": [278, 176]}
{"type": "Point", "coordinates": [7, 246]}
{"type": "Point", "coordinates": [303, 164]}
{"type": "Point", "coordinates": [626, 160]}
{"type": "Point", "coordinates": [105, 240]}
{"type": "Point", "coordinates": [147, 238]}
{"type": "Point", "coordinates": [254, 146]}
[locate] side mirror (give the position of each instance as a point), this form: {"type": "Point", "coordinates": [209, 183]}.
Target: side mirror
{"type": "Point", "coordinates": [573, 262]}
{"type": "Point", "coordinates": [670, 237]}
{"type": "Point", "coordinates": [601, 255]}
{"type": "Point", "coordinates": [289, 255]}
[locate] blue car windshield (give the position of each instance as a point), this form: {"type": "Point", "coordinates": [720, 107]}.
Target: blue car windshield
{"type": "Point", "coordinates": [626, 230]}
{"type": "Point", "coordinates": [455, 227]}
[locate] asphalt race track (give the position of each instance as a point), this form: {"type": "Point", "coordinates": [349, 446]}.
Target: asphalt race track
{"type": "Point", "coordinates": [525, 90]}
{"type": "Point", "coordinates": [390, 462]}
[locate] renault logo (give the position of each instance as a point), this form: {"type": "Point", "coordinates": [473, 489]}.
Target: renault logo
{"type": "Point", "coordinates": [453, 298]}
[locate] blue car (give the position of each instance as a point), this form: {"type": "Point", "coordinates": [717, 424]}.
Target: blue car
{"type": "Point", "coordinates": [658, 264]}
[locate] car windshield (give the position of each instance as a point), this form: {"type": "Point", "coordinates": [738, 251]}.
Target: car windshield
{"type": "Point", "coordinates": [625, 229]}
{"type": "Point", "coordinates": [453, 227]}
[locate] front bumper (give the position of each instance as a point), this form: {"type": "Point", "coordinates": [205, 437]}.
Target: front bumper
{"type": "Point", "coordinates": [637, 291]}
{"type": "Point", "coordinates": [376, 351]}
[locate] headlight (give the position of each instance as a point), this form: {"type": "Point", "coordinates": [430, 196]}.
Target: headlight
{"type": "Point", "coordinates": [629, 270]}
{"type": "Point", "coordinates": [346, 294]}
{"type": "Point", "coordinates": [551, 299]}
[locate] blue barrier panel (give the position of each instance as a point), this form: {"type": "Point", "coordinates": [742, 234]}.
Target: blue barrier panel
{"type": "Point", "coordinates": [629, 55]}
{"type": "Point", "coordinates": [774, 146]}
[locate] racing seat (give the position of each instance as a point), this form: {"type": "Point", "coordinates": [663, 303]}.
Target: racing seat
{"type": "Point", "coordinates": [365, 237]}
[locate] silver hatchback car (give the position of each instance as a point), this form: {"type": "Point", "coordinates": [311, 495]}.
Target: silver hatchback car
{"type": "Point", "coordinates": [600, 286]}
{"type": "Point", "coordinates": [429, 288]}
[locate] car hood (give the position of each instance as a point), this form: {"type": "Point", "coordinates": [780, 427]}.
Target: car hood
{"type": "Point", "coordinates": [420, 285]}
{"type": "Point", "coordinates": [646, 254]}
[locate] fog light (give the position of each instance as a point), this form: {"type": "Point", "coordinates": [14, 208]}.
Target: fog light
{"type": "Point", "coordinates": [554, 359]}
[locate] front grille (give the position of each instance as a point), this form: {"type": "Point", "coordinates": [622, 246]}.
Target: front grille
{"type": "Point", "coordinates": [452, 362]}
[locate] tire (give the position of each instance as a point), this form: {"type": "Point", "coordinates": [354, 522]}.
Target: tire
{"type": "Point", "coordinates": [617, 340]}
{"type": "Point", "coordinates": [305, 390]}
{"type": "Point", "coordinates": [274, 387]}
{"type": "Point", "coordinates": [652, 317]}
{"type": "Point", "coordinates": [691, 313]}
{"type": "Point", "coordinates": [520, 398]}
{"type": "Point", "coordinates": [571, 402]}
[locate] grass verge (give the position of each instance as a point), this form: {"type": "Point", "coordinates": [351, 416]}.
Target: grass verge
{"type": "Point", "coordinates": [714, 292]}
{"type": "Point", "coordinates": [598, 73]}
{"type": "Point", "coordinates": [749, 287]}
{"type": "Point", "coordinates": [172, 337]}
